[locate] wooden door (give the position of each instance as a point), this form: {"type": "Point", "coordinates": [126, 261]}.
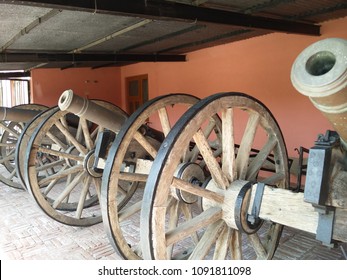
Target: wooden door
{"type": "Point", "coordinates": [137, 92]}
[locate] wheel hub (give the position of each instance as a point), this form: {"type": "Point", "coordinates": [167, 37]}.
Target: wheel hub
{"type": "Point", "coordinates": [89, 164]}
{"type": "Point", "coordinates": [236, 205]}
{"type": "Point", "coordinates": [192, 173]}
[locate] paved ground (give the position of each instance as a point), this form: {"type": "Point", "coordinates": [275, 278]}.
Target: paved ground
{"type": "Point", "coordinates": [26, 233]}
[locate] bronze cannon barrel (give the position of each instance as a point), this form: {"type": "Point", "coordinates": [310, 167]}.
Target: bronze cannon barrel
{"type": "Point", "coordinates": [88, 109]}
{"type": "Point", "coordinates": [320, 72]}
{"type": "Point", "coordinates": [16, 114]}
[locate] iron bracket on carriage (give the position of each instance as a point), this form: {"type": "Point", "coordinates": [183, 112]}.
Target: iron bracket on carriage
{"type": "Point", "coordinates": [317, 183]}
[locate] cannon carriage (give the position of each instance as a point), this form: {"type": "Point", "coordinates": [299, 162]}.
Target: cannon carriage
{"type": "Point", "coordinates": [13, 122]}
{"type": "Point", "coordinates": [239, 204]}
{"type": "Point", "coordinates": [52, 143]}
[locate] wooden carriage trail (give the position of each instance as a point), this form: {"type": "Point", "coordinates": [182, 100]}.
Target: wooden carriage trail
{"type": "Point", "coordinates": [26, 233]}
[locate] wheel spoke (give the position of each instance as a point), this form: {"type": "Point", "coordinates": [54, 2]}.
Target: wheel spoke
{"type": "Point", "coordinates": [121, 192]}
{"type": "Point", "coordinates": [257, 246]}
{"type": "Point", "coordinates": [196, 190]}
{"type": "Point", "coordinates": [189, 227]}
{"type": "Point", "coordinates": [50, 165]}
{"type": "Point", "coordinates": [61, 174]}
{"type": "Point", "coordinates": [275, 179]}
{"type": "Point", "coordinates": [95, 132]}
{"type": "Point", "coordinates": [8, 157]}
{"type": "Point", "coordinates": [164, 120]}
{"type": "Point", "coordinates": [207, 240]}
{"type": "Point", "coordinates": [236, 245]}
{"type": "Point", "coordinates": [60, 154]}
{"type": "Point", "coordinates": [12, 132]}
{"type": "Point", "coordinates": [221, 249]}
{"type": "Point", "coordinates": [260, 159]}
{"type": "Point", "coordinates": [78, 135]}
{"type": "Point", "coordinates": [87, 137]}
{"type": "Point", "coordinates": [68, 189]}
{"type": "Point", "coordinates": [71, 138]}
{"type": "Point", "coordinates": [82, 198]}
{"type": "Point", "coordinates": [49, 187]}
{"type": "Point", "coordinates": [127, 212]}
{"type": "Point", "coordinates": [133, 177]}
{"type": "Point", "coordinates": [207, 132]}
{"type": "Point", "coordinates": [243, 152]}
{"type": "Point", "coordinates": [11, 145]}
{"type": "Point", "coordinates": [211, 162]}
{"type": "Point", "coordinates": [228, 156]}
{"type": "Point", "coordinates": [173, 211]}
{"type": "Point", "coordinates": [97, 183]}
{"type": "Point", "coordinates": [57, 141]}
{"type": "Point", "coordinates": [12, 174]}
{"type": "Point", "coordinates": [145, 144]}
{"type": "Point", "coordinates": [187, 212]}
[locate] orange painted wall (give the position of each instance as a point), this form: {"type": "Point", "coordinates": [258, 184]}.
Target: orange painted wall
{"type": "Point", "coordinates": [259, 67]}
{"type": "Point", "coordinates": [48, 84]}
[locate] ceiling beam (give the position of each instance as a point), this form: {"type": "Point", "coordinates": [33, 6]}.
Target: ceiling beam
{"type": "Point", "coordinates": [83, 57]}
{"type": "Point", "coordinates": [13, 75]}
{"type": "Point", "coordinates": [155, 9]}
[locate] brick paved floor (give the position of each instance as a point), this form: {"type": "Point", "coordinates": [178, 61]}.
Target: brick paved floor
{"type": "Point", "coordinates": [26, 233]}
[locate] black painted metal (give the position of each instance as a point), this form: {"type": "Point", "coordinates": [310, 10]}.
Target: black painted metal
{"type": "Point", "coordinates": [76, 58]}
{"type": "Point", "coordinates": [170, 10]}
{"type": "Point", "coordinates": [14, 75]}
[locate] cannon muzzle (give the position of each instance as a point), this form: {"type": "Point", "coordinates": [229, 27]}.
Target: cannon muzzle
{"type": "Point", "coordinates": [320, 72]}
{"type": "Point", "coordinates": [88, 109]}
{"type": "Point", "coordinates": [17, 115]}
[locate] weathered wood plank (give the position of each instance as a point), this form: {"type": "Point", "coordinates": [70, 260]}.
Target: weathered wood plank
{"type": "Point", "coordinates": [228, 143]}
{"type": "Point", "coordinates": [288, 208]}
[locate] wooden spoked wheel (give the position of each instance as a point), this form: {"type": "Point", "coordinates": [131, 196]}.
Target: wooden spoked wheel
{"type": "Point", "coordinates": [23, 141]}
{"type": "Point", "coordinates": [196, 193]}
{"type": "Point", "coordinates": [11, 132]}
{"type": "Point", "coordinates": [59, 167]}
{"type": "Point", "coordinates": [128, 165]}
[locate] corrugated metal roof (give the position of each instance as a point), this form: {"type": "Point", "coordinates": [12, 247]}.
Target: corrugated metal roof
{"type": "Point", "coordinates": [131, 27]}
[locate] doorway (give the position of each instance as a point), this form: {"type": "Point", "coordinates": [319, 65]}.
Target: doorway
{"type": "Point", "coordinates": [137, 92]}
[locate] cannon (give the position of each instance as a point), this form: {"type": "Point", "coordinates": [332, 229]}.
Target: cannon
{"type": "Point", "coordinates": [236, 210]}
{"type": "Point", "coordinates": [64, 173]}
{"type": "Point", "coordinates": [56, 163]}
{"type": "Point", "coordinates": [12, 124]}
{"type": "Point", "coordinates": [191, 167]}
{"type": "Point", "coordinates": [140, 136]}
{"type": "Point", "coordinates": [320, 73]}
